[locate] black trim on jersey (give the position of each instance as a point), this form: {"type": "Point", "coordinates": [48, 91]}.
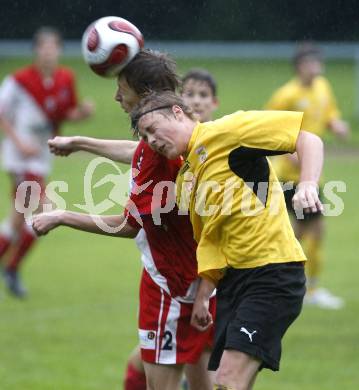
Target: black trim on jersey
{"type": "Point", "coordinates": [251, 165]}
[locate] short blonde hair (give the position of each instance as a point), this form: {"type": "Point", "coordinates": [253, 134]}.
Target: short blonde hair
{"type": "Point", "coordinates": [158, 101]}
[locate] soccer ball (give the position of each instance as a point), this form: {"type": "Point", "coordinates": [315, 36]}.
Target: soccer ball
{"type": "Point", "coordinates": [109, 44]}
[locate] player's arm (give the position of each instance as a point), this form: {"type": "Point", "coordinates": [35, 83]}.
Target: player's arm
{"type": "Point", "coordinates": [276, 132]}
{"type": "Point", "coordinates": [116, 150]}
{"type": "Point", "coordinates": [309, 148]}
{"type": "Point", "coordinates": [339, 128]}
{"type": "Point", "coordinates": [98, 224]}
{"type": "Point", "coordinates": [335, 124]}
{"type": "Point", "coordinates": [82, 111]}
{"type": "Point", "coordinates": [201, 317]}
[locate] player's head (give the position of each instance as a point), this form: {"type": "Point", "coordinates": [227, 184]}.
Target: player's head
{"type": "Point", "coordinates": [150, 71]}
{"type": "Point", "coordinates": [307, 61]}
{"type": "Point", "coordinates": [165, 122]}
{"type": "Point", "coordinates": [47, 46]}
{"type": "Point", "coordinates": [199, 91]}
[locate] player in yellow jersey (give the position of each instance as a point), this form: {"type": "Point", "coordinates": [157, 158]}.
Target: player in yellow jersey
{"type": "Point", "coordinates": [199, 91]}
{"type": "Point", "coordinates": [246, 245]}
{"type": "Point", "coordinates": [312, 94]}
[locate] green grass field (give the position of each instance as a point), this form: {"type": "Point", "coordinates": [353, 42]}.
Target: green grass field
{"type": "Point", "coordinates": [79, 323]}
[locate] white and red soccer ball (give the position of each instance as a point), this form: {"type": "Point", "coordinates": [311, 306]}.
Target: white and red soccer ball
{"type": "Point", "coordinates": [109, 44]}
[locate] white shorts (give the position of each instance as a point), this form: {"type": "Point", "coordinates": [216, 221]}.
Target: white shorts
{"type": "Point", "coordinates": [166, 336]}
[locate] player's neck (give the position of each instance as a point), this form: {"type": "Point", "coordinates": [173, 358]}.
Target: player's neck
{"type": "Point", "coordinates": [45, 69]}
{"type": "Point", "coordinates": [187, 135]}
{"type": "Point", "coordinates": [306, 82]}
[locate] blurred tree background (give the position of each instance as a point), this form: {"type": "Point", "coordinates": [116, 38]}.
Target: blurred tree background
{"type": "Point", "coordinates": [241, 20]}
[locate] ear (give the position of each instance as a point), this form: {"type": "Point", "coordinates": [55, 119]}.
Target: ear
{"type": "Point", "coordinates": [177, 112]}
{"type": "Point", "coordinates": [215, 102]}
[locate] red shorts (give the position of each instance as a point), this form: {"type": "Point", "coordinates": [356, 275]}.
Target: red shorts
{"type": "Point", "coordinates": [18, 178]}
{"type": "Point", "coordinates": [166, 336]}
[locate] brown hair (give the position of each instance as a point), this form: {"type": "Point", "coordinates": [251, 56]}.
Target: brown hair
{"type": "Point", "coordinates": [158, 101]}
{"type": "Point", "coordinates": [203, 75]}
{"type": "Point", "coordinates": [304, 51]}
{"type": "Point", "coordinates": [151, 71]}
{"type": "Point", "coordinates": [44, 32]}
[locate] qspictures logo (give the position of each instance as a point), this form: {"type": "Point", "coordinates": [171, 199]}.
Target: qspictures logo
{"type": "Point", "coordinates": [207, 198]}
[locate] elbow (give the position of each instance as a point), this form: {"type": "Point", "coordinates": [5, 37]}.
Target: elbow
{"type": "Point", "coordinates": [307, 139]}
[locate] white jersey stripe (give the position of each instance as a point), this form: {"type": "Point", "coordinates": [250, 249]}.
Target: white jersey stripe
{"type": "Point", "coordinates": [157, 277]}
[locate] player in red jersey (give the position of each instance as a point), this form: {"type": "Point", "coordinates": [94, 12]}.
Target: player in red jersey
{"type": "Point", "coordinates": [169, 281]}
{"type": "Point", "coordinates": [34, 101]}
{"type": "Point", "coordinates": [199, 90]}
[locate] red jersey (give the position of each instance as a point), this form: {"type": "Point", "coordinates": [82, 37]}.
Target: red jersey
{"type": "Point", "coordinates": [55, 96]}
{"type": "Point", "coordinates": [168, 249]}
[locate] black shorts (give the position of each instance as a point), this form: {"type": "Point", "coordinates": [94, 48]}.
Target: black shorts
{"type": "Point", "coordinates": [288, 196]}
{"type": "Point", "coordinates": [255, 307]}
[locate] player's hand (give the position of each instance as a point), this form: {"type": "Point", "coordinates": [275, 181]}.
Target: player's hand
{"type": "Point", "coordinates": [201, 317]}
{"type": "Point", "coordinates": [306, 198]}
{"type": "Point", "coordinates": [44, 222]}
{"type": "Point", "coordinates": [340, 128]}
{"type": "Point", "coordinates": [62, 146]}
{"type": "Point", "coordinates": [87, 108]}
{"type": "Point", "coordinates": [28, 150]}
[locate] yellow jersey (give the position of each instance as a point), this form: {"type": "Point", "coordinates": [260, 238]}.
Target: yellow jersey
{"type": "Point", "coordinates": [319, 106]}
{"type": "Point", "coordinates": [233, 196]}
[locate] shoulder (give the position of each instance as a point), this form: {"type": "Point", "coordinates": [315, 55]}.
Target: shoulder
{"type": "Point", "coordinates": [25, 73]}
{"type": "Point", "coordinates": [10, 86]}
{"type": "Point", "coordinates": [323, 83]}
{"type": "Point", "coordinates": [223, 123]}
{"type": "Point", "coordinates": [289, 88]}
{"type": "Point", "coordinates": [152, 165]}
{"type": "Point", "coordinates": [65, 73]}
{"type": "Point", "coordinates": [145, 159]}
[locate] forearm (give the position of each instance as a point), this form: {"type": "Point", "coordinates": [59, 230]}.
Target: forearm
{"type": "Point", "coordinates": [205, 288]}
{"type": "Point", "coordinates": [104, 225]}
{"type": "Point", "coordinates": [310, 153]}
{"type": "Point", "coordinates": [116, 150]}
{"type": "Point", "coordinates": [8, 130]}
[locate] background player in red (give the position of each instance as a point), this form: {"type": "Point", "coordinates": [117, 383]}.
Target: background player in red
{"type": "Point", "coordinates": [34, 101]}
{"type": "Point", "coordinates": [169, 281]}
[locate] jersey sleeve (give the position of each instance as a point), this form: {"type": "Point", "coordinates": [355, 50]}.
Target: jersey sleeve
{"type": "Point", "coordinates": [268, 132]}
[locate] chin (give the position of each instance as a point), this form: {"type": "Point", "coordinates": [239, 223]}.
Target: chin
{"type": "Point", "coordinates": [172, 155]}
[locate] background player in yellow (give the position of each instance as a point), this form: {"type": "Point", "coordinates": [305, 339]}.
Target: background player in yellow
{"type": "Point", "coordinates": [312, 94]}
{"type": "Point", "coordinates": [246, 245]}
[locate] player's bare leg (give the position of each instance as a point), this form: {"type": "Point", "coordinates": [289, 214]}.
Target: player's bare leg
{"type": "Point", "coordinates": [135, 378]}
{"type": "Point", "coordinates": [198, 376]}
{"type": "Point", "coordinates": [237, 370]}
{"type": "Point", "coordinates": [163, 377]}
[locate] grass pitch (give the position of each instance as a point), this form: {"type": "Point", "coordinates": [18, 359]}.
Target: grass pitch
{"type": "Point", "coordinates": [79, 323]}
